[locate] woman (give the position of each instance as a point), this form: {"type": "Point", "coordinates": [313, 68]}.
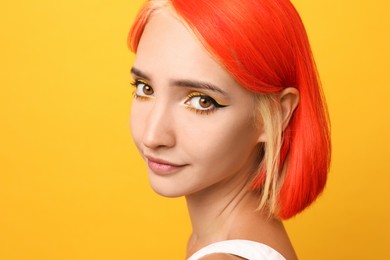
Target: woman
{"type": "Point", "coordinates": [229, 113]}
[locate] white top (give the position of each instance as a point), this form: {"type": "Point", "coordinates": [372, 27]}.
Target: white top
{"type": "Point", "coordinates": [246, 249]}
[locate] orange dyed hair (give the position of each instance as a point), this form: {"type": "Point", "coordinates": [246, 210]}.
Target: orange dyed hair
{"type": "Point", "coordinates": [264, 46]}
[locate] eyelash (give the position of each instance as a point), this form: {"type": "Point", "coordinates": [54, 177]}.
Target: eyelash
{"type": "Point", "coordinates": [201, 112]}
{"type": "Point", "coordinates": [190, 96]}
{"type": "Point", "coordinates": [135, 84]}
{"type": "Point", "coordinates": [215, 104]}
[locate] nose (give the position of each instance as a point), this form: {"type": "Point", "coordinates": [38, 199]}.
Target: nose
{"type": "Point", "coordinates": [159, 131]}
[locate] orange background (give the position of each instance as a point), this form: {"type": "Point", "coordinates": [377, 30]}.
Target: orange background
{"type": "Point", "coordinates": [72, 185]}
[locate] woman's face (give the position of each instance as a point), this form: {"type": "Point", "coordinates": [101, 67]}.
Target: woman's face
{"type": "Point", "coordinates": [192, 123]}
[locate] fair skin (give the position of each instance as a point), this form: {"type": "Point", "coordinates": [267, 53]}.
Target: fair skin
{"type": "Point", "coordinates": [195, 127]}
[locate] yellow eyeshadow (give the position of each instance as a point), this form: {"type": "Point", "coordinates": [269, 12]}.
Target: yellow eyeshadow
{"type": "Point", "coordinates": [142, 81]}
{"type": "Point", "coordinates": [201, 112]}
{"type": "Point", "coordinates": [142, 98]}
{"type": "Point", "coordinates": [198, 94]}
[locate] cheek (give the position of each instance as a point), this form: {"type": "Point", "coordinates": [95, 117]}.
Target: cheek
{"type": "Point", "coordinates": [224, 141]}
{"type": "Point", "coordinates": [137, 121]}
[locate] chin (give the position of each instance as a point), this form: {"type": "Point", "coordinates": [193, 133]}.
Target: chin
{"type": "Point", "coordinates": [167, 194]}
{"type": "Point", "coordinates": [166, 186]}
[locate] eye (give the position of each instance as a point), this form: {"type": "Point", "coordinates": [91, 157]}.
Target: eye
{"type": "Point", "coordinates": [142, 89]}
{"type": "Point", "coordinates": [202, 103]}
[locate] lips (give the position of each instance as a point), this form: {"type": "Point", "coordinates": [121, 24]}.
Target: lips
{"type": "Point", "coordinates": [162, 167]}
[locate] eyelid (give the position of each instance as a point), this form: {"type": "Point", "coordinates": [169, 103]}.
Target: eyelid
{"type": "Point", "coordinates": [201, 112]}
{"type": "Point", "coordinates": [200, 94]}
{"type": "Point", "coordinates": [140, 80]}
{"type": "Point", "coordinates": [142, 98]}
{"type": "Point", "coordinates": [193, 108]}
{"type": "Point", "coordinates": [135, 84]}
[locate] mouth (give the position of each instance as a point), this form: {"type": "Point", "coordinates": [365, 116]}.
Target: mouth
{"type": "Point", "coordinates": [162, 167]}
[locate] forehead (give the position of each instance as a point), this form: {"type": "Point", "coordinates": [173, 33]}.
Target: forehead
{"type": "Point", "coordinates": [167, 47]}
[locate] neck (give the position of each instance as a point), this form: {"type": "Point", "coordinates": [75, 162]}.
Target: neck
{"type": "Point", "coordinates": [228, 211]}
{"type": "Point", "coordinates": [213, 211]}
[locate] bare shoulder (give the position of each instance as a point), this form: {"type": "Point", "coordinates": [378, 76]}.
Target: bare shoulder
{"type": "Point", "coordinates": [221, 256]}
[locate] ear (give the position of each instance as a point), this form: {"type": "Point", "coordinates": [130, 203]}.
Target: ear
{"type": "Point", "coordinates": [289, 100]}
{"type": "Point", "coordinates": [286, 102]}
{"type": "Point", "coordinates": [262, 137]}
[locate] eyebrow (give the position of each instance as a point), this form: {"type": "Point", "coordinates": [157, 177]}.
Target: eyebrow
{"type": "Point", "coordinates": [198, 85]}
{"type": "Point", "coordinates": [183, 83]}
{"type": "Point", "coordinates": [139, 73]}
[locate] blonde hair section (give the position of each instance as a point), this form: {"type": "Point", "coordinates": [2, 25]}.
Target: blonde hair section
{"type": "Point", "coordinates": [270, 112]}
{"type": "Point", "coordinates": [155, 5]}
